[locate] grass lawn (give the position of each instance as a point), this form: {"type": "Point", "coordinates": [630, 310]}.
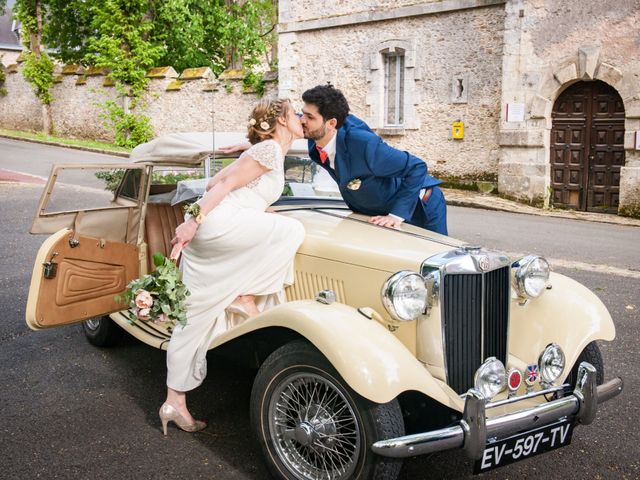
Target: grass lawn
{"type": "Point", "coordinates": [63, 141]}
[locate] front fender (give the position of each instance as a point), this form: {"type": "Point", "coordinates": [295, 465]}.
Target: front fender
{"type": "Point", "coordinates": [568, 314]}
{"type": "Point", "coordinates": [368, 357]}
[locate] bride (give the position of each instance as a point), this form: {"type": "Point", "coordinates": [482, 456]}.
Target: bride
{"type": "Point", "coordinates": [235, 252]}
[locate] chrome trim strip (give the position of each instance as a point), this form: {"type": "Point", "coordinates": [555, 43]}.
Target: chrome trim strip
{"type": "Point", "coordinates": [509, 400]}
{"type": "Point", "coordinates": [609, 390]}
{"type": "Point", "coordinates": [474, 429]}
{"type": "Point", "coordinates": [483, 317]}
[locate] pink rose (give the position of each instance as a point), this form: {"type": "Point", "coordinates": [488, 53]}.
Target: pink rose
{"type": "Point", "coordinates": [143, 313]}
{"type": "Point", "coordinates": [144, 299]}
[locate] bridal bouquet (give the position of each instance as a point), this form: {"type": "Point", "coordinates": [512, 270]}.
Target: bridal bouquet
{"type": "Point", "coordinates": [159, 296]}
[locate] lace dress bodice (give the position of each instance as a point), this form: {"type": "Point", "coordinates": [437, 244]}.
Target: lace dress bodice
{"type": "Point", "coordinates": [267, 188]}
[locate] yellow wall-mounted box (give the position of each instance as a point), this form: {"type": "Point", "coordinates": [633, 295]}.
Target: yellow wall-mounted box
{"type": "Point", "coordinates": [457, 130]}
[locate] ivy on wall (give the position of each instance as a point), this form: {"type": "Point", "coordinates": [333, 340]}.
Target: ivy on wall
{"type": "Point", "coordinates": [3, 77]}
{"type": "Point", "coordinates": [38, 66]}
{"type": "Point", "coordinates": [38, 71]}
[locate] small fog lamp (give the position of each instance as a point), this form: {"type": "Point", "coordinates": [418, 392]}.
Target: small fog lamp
{"type": "Point", "coordinates": [490, 378]}
{"type": "Point", "coordinates": [551, 363]}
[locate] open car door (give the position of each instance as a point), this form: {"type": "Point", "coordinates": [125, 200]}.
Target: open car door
{"type": "Point", "coordinates": [93, 253]}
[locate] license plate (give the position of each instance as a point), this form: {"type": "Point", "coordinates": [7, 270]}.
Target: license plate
{"type": "Point", "coordinates": [524, 445]}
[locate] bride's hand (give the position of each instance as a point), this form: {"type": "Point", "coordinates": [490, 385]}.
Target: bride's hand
{"type": "Point", "coordinates": [185, 233]}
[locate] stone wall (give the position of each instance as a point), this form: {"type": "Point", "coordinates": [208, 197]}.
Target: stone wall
{"type": "Point", "coordinates": [549, 45]}
{"type": "Point", "coordinates": [306, 10]}
{"type": "Point", "coordinates": [459, 39]}
{"type": "Point", "coordinates": [7, 57]}
{"type": "Point", "coordinates": [174, 103]}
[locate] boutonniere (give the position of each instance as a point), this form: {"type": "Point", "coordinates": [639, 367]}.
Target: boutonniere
{"type": "Point", "coordinates": [354, 184]}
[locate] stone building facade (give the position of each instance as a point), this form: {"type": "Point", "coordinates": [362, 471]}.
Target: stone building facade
{"type": "Point", "coordinates": [540, 96]}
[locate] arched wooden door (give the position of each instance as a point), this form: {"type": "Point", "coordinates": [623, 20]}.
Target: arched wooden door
{"type": "Point", "coordinates": [587, 147]}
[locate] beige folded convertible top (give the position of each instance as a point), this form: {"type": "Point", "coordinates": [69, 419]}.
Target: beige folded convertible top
{"type": "Point", "coordinates": [191, 148]}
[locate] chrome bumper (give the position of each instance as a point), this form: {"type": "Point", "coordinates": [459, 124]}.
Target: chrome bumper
{"type": "Point", "coordinates": [474, 429]}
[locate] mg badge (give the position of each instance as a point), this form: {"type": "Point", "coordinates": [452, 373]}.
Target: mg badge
{"type": "Point", "coordinates": [483, 263]}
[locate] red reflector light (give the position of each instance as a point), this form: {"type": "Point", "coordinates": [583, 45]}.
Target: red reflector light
{"type": "Point", "coordinates": [515, 379]}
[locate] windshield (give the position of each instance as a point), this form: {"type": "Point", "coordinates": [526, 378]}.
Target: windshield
{"type": "Point", "coordinates": [303, 178]}
{"type": "Point", "coordinates": [306, 179]}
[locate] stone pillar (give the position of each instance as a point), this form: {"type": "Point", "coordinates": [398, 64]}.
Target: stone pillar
{"type": "Point", "coordinates": [630, 173]}
{"type": "Point", "coordinates": [523, 168]}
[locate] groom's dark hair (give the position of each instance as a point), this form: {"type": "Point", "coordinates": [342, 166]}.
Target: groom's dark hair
{"type": "Point", "coordinates": [330, 101]}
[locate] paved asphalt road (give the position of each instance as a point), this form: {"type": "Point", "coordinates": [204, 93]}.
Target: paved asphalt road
{"type": "Point", "coordinates": [70, 410]}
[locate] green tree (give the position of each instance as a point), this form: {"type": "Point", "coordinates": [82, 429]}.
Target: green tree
{"type": "Point", "coordinates": [218, 34]}
{"type": "Point", "coordinates": [68, 29]}
{"type": "Point", "coordinates": [248, 32]}
{"type": "Point", "coordinates": [38, 66]}
{"type": "Point", "coordinates": [123, 47]}
{"type": "Point", "coordinates": [184, 30]}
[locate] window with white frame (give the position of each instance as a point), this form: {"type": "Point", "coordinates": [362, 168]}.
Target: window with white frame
{"type": "Point", "coordinates": [394, 87]}
{"type": "Point", "coordinates": [392, 95]}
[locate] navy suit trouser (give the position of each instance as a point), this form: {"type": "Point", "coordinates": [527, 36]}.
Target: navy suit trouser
{"type": "Point", "coordinates": [431, 214]}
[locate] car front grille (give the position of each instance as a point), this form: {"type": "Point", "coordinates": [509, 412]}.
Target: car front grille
{"type": "Point", "coordinates": [475, 322]}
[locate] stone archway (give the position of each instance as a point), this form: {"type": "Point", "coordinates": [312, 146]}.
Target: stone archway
{"type": "Point", "coordinates": [525, 166]}
{"type": "Point", "coordinates": [587, 147]}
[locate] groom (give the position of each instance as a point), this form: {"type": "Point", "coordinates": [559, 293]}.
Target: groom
{"type": "Point", "coordinates": [375, 179]}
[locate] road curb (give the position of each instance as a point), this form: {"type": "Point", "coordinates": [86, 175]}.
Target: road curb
{"type": "Point", "coordinates": [64, 145]}
{"type": "Point", "coordinates": [514, 207]}
{"type": "Point", "coordinates": [19, 177]}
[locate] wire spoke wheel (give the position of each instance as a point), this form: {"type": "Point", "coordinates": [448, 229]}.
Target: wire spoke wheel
{"type": "Point", "coordinates": [314, 428]}
{"type": "Point", "coordinates": [312, 425]}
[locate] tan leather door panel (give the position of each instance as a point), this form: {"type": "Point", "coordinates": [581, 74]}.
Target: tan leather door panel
{"type": "Point", "coordinates": [87, 278]}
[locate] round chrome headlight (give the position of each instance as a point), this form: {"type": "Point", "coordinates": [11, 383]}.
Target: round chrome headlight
{"type": "Point", "coordinates": [531, 276]}
{"type": "Point", "coordinates": [404, 295]}
{"type": "Point", "coordinates": [551, 363]}
{"type": "Point", "coordinates": [491, 378]}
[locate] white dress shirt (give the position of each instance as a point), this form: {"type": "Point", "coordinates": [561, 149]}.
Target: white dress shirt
{"type": "Point", "coordinates": [330, 150]}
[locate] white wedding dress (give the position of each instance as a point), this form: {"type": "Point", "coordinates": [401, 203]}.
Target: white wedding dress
{"type": "Point", "coordinates": [239, 249]}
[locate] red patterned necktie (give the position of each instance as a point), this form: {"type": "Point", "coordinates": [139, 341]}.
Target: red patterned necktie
{"type": "Point", "coordinates": [323, 155]}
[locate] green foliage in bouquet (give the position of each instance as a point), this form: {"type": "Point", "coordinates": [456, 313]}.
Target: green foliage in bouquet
{"type": "Point", "coordinates": [159, 296]}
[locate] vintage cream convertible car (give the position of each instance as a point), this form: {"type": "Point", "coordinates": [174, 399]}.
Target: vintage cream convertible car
{"type": "Point", "coordinates": [391, 343]}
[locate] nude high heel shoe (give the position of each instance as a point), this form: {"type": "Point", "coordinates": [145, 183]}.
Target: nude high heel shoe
{"type": "Point", "coordinates": [170, 414]}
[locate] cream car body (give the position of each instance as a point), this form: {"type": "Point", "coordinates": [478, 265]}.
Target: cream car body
{"type": "Point", "coordinates": [377, 356]}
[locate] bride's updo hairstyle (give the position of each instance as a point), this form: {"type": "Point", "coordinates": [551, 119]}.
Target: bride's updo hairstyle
{"type": "Point", "coordinates": [262, 121]}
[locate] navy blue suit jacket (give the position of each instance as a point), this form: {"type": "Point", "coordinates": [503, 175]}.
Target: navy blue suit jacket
{"type": "Point", "coordinates": [390, 179]}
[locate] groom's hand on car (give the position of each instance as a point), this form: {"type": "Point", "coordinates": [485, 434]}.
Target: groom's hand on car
{"type": "Point", "coordinates": [386, 221]}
